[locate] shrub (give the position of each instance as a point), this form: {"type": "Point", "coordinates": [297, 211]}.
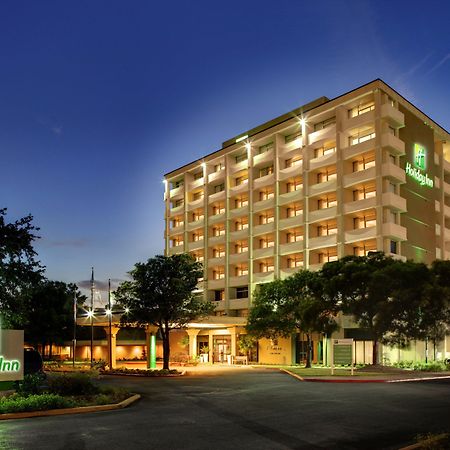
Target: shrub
{"type": "Point", "coordinates": [41, 402]}
{"type": "Point", "coordinates": [31, 384]}
{"type": "Point", "coordinates": [143, 372]}
{"type": "Point", "coordinates": [73, 384]}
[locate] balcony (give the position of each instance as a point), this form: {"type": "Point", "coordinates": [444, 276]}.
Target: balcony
{"type": "Point", "coordinates": [216, 240]}
{"type": "Point", "coordinates": [238, 189]}
{"type": "Point", "coordinates": [360, 234]}
{"type": "Point", "coordinates": [177, 192]}
{"type": "Point", "coordinates": [266, 180]}
{"type": "Point", "coordinates": [238, 281]}
{"type": "Point", "coordinates": [357, 149]}
{"type": "Point", "coordinates": [263, 277]}
{"type": "Point", "coordinates": [216, 218]}
{"type": "Point", "coordinates": [360, 205]}
{"type": "Point", "coordinates": [263, 252]}
{"type": "Point", "coordinates": [262, 158]}
{"type": "Point", "coordinates": [326, 134]}
{"type": "Point", "coordinates": [195, 204]}
{"type": "Point", "coordinates": [220, 261]}
{"type": "Point", "coordinates": [360, 120]}
{"type": "Point", "coordinates": [263, 204]}
{"type": "Point", "coordinates": [394, 231]}
{"type": "Point", "coordinates": [238, 257]}
{"type": "Point", "coordinates": [393, 144]}
{"type": "Point", "coordinates": [322, 241]}
{"type": "Point", "coordinates": [446, 188]}
{"type": "Point", "coordinates": [322, 214]}
{"type": "Point", "coordinates": [392, 116]}
{"type": "Point", "coordinates": [195, 184]}
{"type": "Point", "coordinates": [176, 230]}
{"type": "Point", "coordinates": [216, 284]}
{"type": "Point", "coordinates": [321, 161]}
{"type": "Point", "coordinates": [288, 271]}
{"type": "Point", "coordinates": [176, 210]}
{"type": "Point", "coordinates": [297, 143]}
{"type": "Point", "coordinates": [216, 196]}
{"type": "Point", "coordinates": [239, 212]}
{"type": "Point", "coordinates": [176, 249]}
{"type": "Point", "coordinates": [446, 211]}
{"type": "Point", "coordinates": [393, 201]}
{"type": "Point", "coordinates": [292, 171]}
{"type": "Point", "coordinates": [393, 172]}
{"type": "Point", "coordinates": [238, 303]}
{"type": "Point", "coordinates": [446, 165]}
{"type": "Point", "coordinates": [239, 234]}
{"type": "Point", "coordinates": [263, 229]}
{"type": "Point", "coordinates": [290, 196]}
{"type": "Point", "coordinates": [290, 222]}
{"type": "Point", "coordinates": [321, 188]}
{"type": "Point", "coordinates": [196, 245]}
{"type": "Point", "coordinates": [362, 176]}
{"type": "Point", "coordinates": [195, 224]}
{"type": "Point", "coordinates": [291, 247]}
{"type": "Point", "coordinates": [216, 176]}
{"type": "Point", "coordinates": [238, 166]}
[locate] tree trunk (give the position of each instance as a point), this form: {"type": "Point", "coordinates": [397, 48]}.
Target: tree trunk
{"type": "Point", "coordinates": [50, 351]}
{"type": "Point", "coordinates": [375, 352]}
{"type": "Point", "coordinates": [308, 351]}
{"type": "Point", "coordinates": [43, 349]}
{"type": "Point", "coordinates": [166, 347]}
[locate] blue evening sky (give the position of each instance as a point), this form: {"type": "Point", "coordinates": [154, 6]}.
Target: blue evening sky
{"type": "Point", "coordinates": [98, 99]}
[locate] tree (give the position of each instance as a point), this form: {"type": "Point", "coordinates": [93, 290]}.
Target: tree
{"type": "Point", "coordinates": [161, 294]}
{"type": "Point", "coordinates": [19, 270]}
{"type": "Point", "coordinates": [293, 305]}
{"type": "Point", "coordinates": [49, 317]}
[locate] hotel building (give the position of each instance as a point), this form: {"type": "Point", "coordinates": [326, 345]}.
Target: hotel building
{"type": "Point", "coordinates": [361, 172]}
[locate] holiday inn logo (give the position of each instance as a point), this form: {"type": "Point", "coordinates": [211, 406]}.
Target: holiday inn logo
{"type": "Point", "coordinates": [9, 366]}
{"type": "Point", "coordinates": [419, 158]}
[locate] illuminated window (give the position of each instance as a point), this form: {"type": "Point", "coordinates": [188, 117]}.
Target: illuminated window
{"type": "Point", "coordinates": [218, 252]}
{"type": "Point", "coordinates": [218, 167]}
{"type": "Point", "coordinates": [327, 257]}
{"type": "Point", "coordinates": [266, 267]}
{"type": "Point", "coordinates": [326, 230]}
{"type": "Point", "coordinates": [365, 163]}
{"type": "Point", "coordinates": [293, 211]}
{"type": "Point", "coordinates": [294, 261]}
{"type": "Point", "coordinates": [196, 216]}
{"type": "Point", "coordinates": [219, 273]}
{"type": "Point", "coordinates": [365, 192]}
{"type": "Point", "coordinates": [218, 230]}
{"type": "Point", "coordinates": [295, 161]}
{"type": "Point", "coordinates": [177, 241]}
{"type": "Point", "coordinates": [266, 195]}
{"type": "Point", "coordinates": [177, 222]}
{"type": "Point", "coordinates": [294, 185]}
{"type": "Point", "coordinates": [361, 109]}
{"type": "Point", "coordinates": [241, 202]}
{"type": "Point", "coordinates": [361, 137]}
{"type": "Point", "coordinates": [294, 236]}
{"type": "Point", "coordinates": [241, 247]}
{"type": "Point", "coordinates": [198, 257]}
{"type": "Point", "coordinates": [241, 224]}
{"type": "Point", "coordinates": [241, 270]}
{"type": "Point", "coordinates": [265, 171]}
{"type": "Point", "coordinates": [324, 151]}
{"type": "Point", "coordinates": [266, 218]}
{"type": "Point", "coordinates": [218, 209]}
{"type": "Point", "coordinates": [197, 237]}
{"type": "Point", "coordinates": [364, 221]}
{"type": "Point", "coordinates": [266, 243]}
{"type": "Point", "coordinates": [327, 175]}
{"type": "Point", "coordinates": [363, 251]}
{"type": "Point", "coordinates": [327, 202]}
{"type": "Point", "coordinates": [241, 180]}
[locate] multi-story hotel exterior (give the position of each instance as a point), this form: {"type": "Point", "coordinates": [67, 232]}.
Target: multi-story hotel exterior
{"type": "Point", "coordinates": [364, 171]}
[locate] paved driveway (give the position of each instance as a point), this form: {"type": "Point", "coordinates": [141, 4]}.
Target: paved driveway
{"type": "Point", "coordinates": [245, 409]}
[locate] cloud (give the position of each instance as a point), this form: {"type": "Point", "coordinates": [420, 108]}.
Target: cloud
{"type": "Point", "coordinates": [409, 73]}
{"type": "Point", "coordinates": [439, 64]}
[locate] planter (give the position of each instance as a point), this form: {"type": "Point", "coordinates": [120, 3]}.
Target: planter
{"type": "Point", "coordinates": [204, 357]}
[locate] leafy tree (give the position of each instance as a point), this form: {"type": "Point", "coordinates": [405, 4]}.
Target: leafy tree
{"type": "Point", "coordinates": [19, 270]}
{"type": "Point", "coordinates": [49, 317]}
{"type": "Point", "coordinates": [161, 294]}
{"type": "Point", "coordinates": [293, 305]}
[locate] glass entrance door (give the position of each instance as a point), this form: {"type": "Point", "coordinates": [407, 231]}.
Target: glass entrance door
{"type": "Point", "coordinates": [222, 348]}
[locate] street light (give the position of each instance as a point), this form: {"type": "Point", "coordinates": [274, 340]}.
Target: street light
{"type": "Point", "coordinates": [109, 314]}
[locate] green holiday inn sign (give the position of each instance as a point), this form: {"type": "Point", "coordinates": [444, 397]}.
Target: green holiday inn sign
{"type": "Point", "coordinates": [417, 171]}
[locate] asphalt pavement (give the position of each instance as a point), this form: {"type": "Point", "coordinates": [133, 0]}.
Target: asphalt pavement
{"type": "Point", "coordinates": [245, 409]}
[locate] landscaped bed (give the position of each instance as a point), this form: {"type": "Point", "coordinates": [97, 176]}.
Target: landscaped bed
{"type": "Point", "coordinates": [56, 391]}
{"type": "Point", "coordinates": [144, 372]}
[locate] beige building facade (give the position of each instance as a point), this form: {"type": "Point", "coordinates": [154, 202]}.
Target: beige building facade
{"type": "Point", "coordinates": [361, 172]}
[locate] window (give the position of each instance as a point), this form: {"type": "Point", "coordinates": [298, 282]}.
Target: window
{"type": "Point", "coordinates": [218, 167]}
{"type": "Point", "coordinates": [325, 124]}
{"type": "Point", "coordinates": [197, 237]}
{"type": "Point", "coordinates": [393, 247]}
{"type": "Point", "coordinates": [265, 148]}
{"type": "Point", "coordinates": [326, 257]}
{"type": "Point", "coordinates": [327, 202]}
{"type": "Point", "coordinates": [361, 109]}
{"type": "Point", "coordinates": [365, 163]}
{"type": "Point", "coordinates": [241, 247]}
{"type": "Point", "coordinates": [198, 175]}
{"type": "Point", "coordinates": [241, 180]}
{"type": "Point", "coordinates": [294, 236]}
{"type": "Point", "coordinates": [241, 202]}
{"type": "Point", "coordinates": [266, 267]}
{"type": "Point", "coordinates": [218, 252]}
{"type": "Point", "coordinates": [177, 241]}
{"type": "Point", "coordinates": [266, 218]}
{"type": "Point", "coordinates": [177, 184]}
{"type": "Point", "coordinates": [219, 295]}
{"type": "Point", "coordinates": [219, 273]}
{"type": "Point", "coordinates": [219, 188]}
{"type": "Point", "coordinates": [294, 161]}
{"type": "Point", "coordinates": [241, 224]}
{"type": "Point", "coordinates": [241, 270]}
{"type": "Point", "coordinates": [292, 137]}
{"type": "Point", "coordinates": [177, 222]}
{"type": "Point", "coordinates": [265, 171]}
{"type": "Point", "coordinates": [266, 195]}
{"type": "Point", "coordinates": [329, 174]}
{"type": "Point", "coordinates": [196, 216]}
{"type": "Point", "coordinates": [362, 251]}
{"type": "Point", "coordinates": [322, 151]}
{"type": "Point", "coordinates": [293, 211]}
{"type": "Point", "coordinates": [364, 221]}
{"type": "Point", "coordinates": [266, 243]}
{"type": "Point", "coordinates": [179, 202]}
{"type": "Point", "coordinates": [294, 185]}
{"type": "Point", "coordinates": [241, 157]}
{"type": "Point", "coordinates": [218, 209]}
{"type": "Point", "coordinates": [197, 196]}
{"type": "Point", "coordinates": [294, 261]}
{"type": "Point", "coordinates": [361, 137]}
{"type": "Point", "coordinates": [326, 230]}
{"type": "Point", "coordinates": [242, 292]}
{"type": "Point", "coordinates": [218, 231]}
{"type": "Point", "coordinates": [198, 257]}
{"type": "Point", "coordinates": [365, 192]}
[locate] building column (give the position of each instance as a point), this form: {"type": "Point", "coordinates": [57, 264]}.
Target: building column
{"type": "Point", "coordinates": [112, 341]}
{"type": "Point", "coordinates": [210, 345]}
{"type": "Point", "coordinates": [232, 331]}
{"type": "Point", "coordinates": [192, 333]}
{"type": "Point", "coordinates": [150, 341]}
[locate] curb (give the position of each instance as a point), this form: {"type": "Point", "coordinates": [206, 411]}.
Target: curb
{"type": "Point", "coordinates": [141, 375]}
{"type": "Point", "coordinates": [78, 410]}
{"type": "Point", "coordinates": [292, 374]}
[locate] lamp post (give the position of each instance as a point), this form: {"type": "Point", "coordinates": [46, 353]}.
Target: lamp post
{"type": "Point", "coordinates": [109, 312]}
{"type": "Point", "coordinates": [74, 341]}
{"type": "Point", "coordinates": [91, 315]}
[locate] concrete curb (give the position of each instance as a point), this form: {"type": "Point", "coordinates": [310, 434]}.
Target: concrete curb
{"type": "Point", "coordinates": [141, 375]}
{"type": "Point", "coordinates": [292, 374]}
{"type": "Point", "coordinates": [79, 410]}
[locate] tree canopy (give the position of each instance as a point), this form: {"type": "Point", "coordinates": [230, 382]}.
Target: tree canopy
{"type": "Point", "coordinates": [161, 293]}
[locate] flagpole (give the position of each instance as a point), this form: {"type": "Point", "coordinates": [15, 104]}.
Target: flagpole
{"type": "Point", "coordinates": [74, 342]}
{"type": "Point", "coordinates": [110, 325]}
{"type": "Point", "coordinates": [92, 317]}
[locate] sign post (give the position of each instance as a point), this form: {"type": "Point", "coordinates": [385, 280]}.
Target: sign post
{"type": "Point", "coordinates": [341, 353]}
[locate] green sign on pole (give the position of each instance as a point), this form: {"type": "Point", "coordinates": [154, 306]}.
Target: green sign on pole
{"type": "Point", "coordinates": [342, 353]}
{"type": "Point", "coordinates": [152, 351]}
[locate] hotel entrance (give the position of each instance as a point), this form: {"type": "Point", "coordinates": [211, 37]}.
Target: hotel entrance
{"type": "Point", "coordinates": [221, 349]}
